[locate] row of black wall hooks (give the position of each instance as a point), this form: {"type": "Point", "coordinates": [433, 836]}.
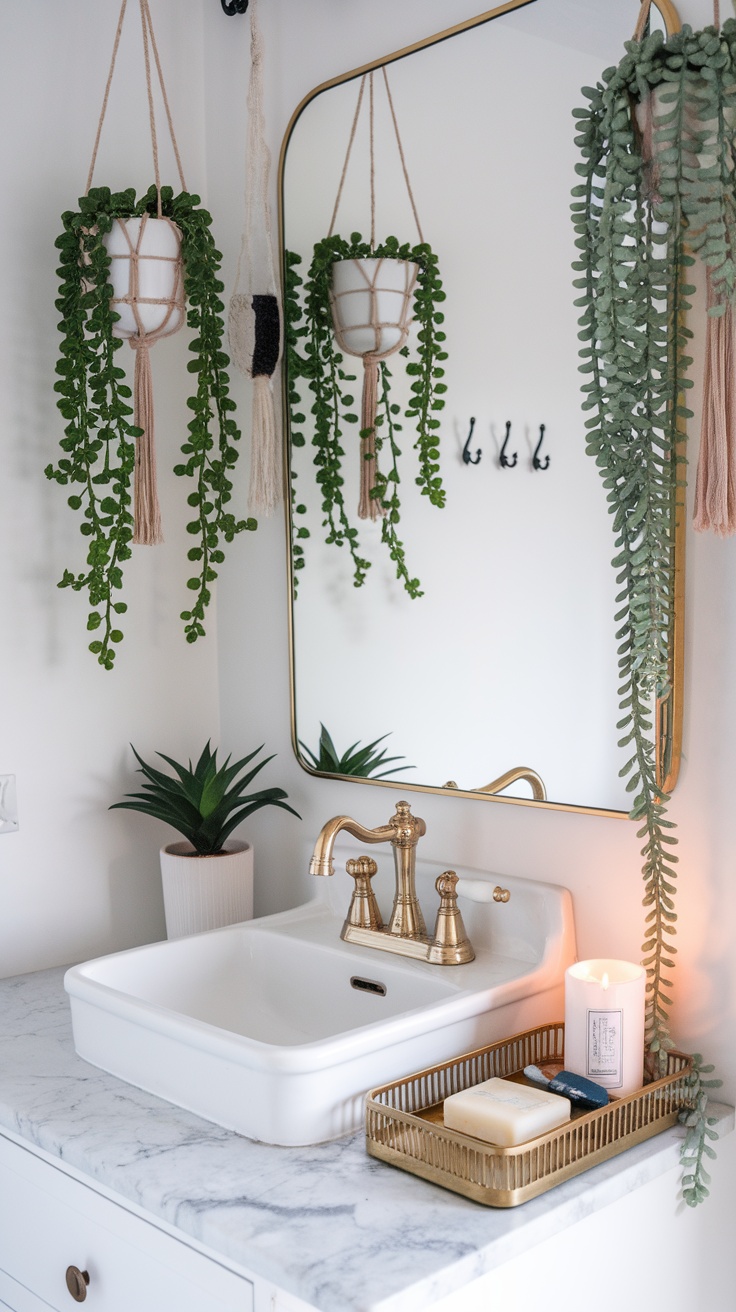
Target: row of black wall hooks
{"type": "Point", "coordinates": [504, 460]}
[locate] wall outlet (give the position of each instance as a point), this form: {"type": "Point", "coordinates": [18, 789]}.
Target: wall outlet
{"type": "Point", "coordinates": [8, 804]}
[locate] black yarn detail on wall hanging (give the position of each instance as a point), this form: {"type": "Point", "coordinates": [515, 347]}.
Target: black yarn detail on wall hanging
{"type": "Point", "coordinates": [267, 335]}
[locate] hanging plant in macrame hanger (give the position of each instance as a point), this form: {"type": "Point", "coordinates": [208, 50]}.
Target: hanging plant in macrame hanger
{"type": "Point", "coordinates": [127, 266]}
{"type": "Point", "coordinates": [254, 318]}
{"type": "Point", "coordinates": [362, 296]}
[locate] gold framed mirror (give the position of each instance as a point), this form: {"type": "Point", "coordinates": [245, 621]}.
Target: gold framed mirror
{"type": "Point", "coordinates": [503, 674]}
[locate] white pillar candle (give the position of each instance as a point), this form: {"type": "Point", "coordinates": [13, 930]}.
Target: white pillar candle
{"type": "Point", "coordinates": [604, 1023]}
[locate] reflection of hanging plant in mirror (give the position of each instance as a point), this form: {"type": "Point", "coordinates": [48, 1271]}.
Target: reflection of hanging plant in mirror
{"type": "Point", "coordinates": [360, 297]}
{"type": "Point", "coordinates": [357, 760]}
{"type": "Point", "coordinates": [321, 363]}
{"type": "Point", "coordinates": [657, 182]}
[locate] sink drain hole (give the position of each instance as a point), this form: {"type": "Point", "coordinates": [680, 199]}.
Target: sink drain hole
{"type": "Point", "coordinates": [367, 985]}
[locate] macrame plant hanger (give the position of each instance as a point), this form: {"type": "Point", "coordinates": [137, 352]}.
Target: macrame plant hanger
{"type": "Point", "coordinates": [715, 482]}
{"type": "Point", "coordinates": [137, 289]}
{"type": "Point", "coordinates": [369, 506]}
{"type": "Point", "coordinates": [254, 320]}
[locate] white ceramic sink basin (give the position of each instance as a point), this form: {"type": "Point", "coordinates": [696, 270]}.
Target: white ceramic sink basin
{"type": "Point", "coordinates": [275, 1028]}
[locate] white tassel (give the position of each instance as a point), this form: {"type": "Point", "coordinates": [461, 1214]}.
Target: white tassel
{"type": "Point", "coordinates": [266, 472]}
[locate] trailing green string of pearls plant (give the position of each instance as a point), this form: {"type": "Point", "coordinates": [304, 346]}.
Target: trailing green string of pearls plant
{"type": "Point", "coordinates": [641, 212]}
{"type": "Point", "coordinates": [313, 357]}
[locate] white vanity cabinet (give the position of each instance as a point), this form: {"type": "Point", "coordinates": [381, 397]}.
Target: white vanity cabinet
{"type": "Point", "coordinates": [50, 1222]}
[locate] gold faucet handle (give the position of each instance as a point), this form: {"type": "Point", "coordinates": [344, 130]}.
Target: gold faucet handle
{"type": "Point", "coordinates": [501, 894]}
{"type": "Point", "coordinates": [451, 945]}
{"type": "Point", "coordinates": [364, 912]}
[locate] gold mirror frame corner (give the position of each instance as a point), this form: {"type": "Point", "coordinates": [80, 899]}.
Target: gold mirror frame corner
{"type": "Point", "coordinates": [669, 709]}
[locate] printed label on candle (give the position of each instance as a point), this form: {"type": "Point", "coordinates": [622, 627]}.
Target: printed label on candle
{"type": "Point", "coordinates": [605, 1047]}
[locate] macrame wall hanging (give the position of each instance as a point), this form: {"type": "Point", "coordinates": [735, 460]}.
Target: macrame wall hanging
{"type": "Point", "coordinates": [146, 273]}
{"type": "Point", "coordinates": [371, 301]}
{"type": "Point", "coordinates": [254, 318]}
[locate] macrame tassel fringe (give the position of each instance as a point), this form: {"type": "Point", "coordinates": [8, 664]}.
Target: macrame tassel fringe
{"type": "Point", "coordinates": [369, 507]}
{"type": "Point", "coordinates": [147, 529]}
{"type": "Point", "coordinates": [715, 487]}
{"type": "Point", "coordinates": [266, 476]}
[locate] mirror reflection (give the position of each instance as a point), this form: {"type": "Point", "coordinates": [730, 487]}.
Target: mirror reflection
{"type": "Point", "coordinates": [502, 673]}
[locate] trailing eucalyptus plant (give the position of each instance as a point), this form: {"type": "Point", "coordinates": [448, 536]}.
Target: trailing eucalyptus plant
{"type": "Point", "coordinates": [314, 357]}
{"type": "Point", "coordinates": [646, 203]}
{"type": "Point", "coordinates": [98, 446]}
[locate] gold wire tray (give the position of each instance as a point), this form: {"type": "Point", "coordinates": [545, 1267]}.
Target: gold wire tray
{"type": "Point", "coordinates": [404, 1123]}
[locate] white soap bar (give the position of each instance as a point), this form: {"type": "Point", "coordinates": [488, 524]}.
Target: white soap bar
{"type": "Point", "coordinates": [504, 1113]}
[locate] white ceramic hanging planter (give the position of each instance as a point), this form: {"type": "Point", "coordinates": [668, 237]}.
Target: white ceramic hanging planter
{"type": "Point", "coordinates": [371, 302]}
{"type": "Point", "coordinates": [146, 276]}
{"type": "Point", "coordinates": [206, 892]}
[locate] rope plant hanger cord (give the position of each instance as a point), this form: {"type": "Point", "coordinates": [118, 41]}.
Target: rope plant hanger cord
{"type": "Point", "coordinates": [126, 265]}
{"type": "Point", "coordinates": [148, 281]}
{"type": "Point", "coordinates": [362, 292]}
{"type": "Point", "coordinates": [254, 320]}
{"type": "Point", "coordinates": [657, 188]}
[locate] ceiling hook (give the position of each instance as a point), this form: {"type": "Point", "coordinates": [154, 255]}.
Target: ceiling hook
{"type": "Point", "coordinates": [536, 462]}
{"type": "Point", "coordinates": [503, 459]}
{"type": "Point", "coordinates": [470, 460]}
{"type": "Point", "coordinates": [232, 7]}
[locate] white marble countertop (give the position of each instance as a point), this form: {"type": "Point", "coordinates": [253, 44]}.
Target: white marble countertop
{"type": "Point", "coordinates": [338, 1229]}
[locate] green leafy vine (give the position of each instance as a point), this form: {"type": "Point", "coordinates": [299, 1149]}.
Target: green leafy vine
{"type": "Point", "coordinates": [98, 446]}
{"type": "Point", "coordinates": [314, 358]}
{"type": "Point", "coordinates": [640, 213]}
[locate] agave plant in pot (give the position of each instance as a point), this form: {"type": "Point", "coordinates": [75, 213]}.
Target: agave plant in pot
{"type": "Point", "coordinates": [208, 878]}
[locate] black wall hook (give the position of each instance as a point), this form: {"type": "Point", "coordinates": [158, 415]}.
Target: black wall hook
{"type": "Point", "coordinates": [470, 460]}
{"type": "Point", "coordinates": [503, 459]}
{"type": "Point", "coordinates": [232, 7]}
{"type": "Point", "coordinates": [536, 462]}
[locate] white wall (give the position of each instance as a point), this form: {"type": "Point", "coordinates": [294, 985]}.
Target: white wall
{"type": "Point", "coordinates": [76, 880]}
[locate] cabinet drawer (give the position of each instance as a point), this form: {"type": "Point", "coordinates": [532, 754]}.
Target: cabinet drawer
{"type": "Point", "coordinates": [49, 1222]}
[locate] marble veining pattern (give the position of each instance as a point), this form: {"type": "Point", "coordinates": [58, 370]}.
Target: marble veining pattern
{"type": "Point", "coordinates": [329, 1224]}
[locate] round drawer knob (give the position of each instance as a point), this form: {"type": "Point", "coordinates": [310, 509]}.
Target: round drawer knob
{"type": "Point", "coordinates": [76, 1283]}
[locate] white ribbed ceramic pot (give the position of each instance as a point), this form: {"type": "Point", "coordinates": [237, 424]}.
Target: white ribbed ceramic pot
{"type": "Point", "coordinates": [372, 301]}
{"type": "Point", "coordinates": [158, 276]}
{"type": "Point", "coordinates": [206, 892]}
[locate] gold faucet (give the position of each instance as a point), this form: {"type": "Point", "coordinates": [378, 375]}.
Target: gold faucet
{"type": "Point", "coordinates": [406, 932]}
